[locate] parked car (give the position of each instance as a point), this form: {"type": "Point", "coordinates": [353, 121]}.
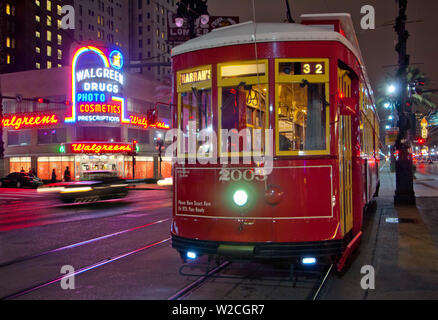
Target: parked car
{"type": "Point", "coordinates": [20, 179]}
{"type": "Point", "coordinates": [94, 186]}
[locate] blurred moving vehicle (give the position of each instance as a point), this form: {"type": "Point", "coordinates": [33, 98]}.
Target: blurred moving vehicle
{"type": "Point", "coordinates": [20, 179]}
{"type": "Point", "coordinates": [94, 186]}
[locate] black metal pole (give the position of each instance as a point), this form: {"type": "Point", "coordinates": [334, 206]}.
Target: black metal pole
{"type": "Point", "coordinates": [289, 14]}
{"type": "Point", "coordinates": [404, 192]}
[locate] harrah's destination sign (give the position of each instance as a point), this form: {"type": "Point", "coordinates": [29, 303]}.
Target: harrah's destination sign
{"type": "Point", "coordinates": [97, 86]}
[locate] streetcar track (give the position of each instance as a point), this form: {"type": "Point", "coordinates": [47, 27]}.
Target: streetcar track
{"type": "Point", "coordinates": [82, 270]}
{"type": "Point", "coordinates": [78, 244]}
{"type": "Point", "coordinates": [198, 282]}
{"type": "Point", "coordinates": [315, 295]}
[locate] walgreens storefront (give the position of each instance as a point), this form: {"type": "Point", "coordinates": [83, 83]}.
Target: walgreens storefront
{"type": "Point", "coordinates": [93, 117]}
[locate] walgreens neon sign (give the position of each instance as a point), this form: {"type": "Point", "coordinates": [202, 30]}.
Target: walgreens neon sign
{"type": "Point", "coordinates": [97, 85]}
{"type": "Point", "coordinates": [97, 148]}
{"type": "Point", "coordinates": [143, 122]}
{"type": "Point", "coordinates": [18, 122]}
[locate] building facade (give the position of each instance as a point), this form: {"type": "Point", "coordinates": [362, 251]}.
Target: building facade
{"type": "Point", "coordinates": [85, 117]}
{"type": "Point", "coordinates": [148, 34]}
{"type": "Point", "coordinates": [32, 37]}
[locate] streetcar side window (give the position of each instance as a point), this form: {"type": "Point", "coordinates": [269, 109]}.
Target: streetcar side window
{"type": "Point", "coordinates": [196, 115]}
{"type": "Point", "coordinates": [301, 117]}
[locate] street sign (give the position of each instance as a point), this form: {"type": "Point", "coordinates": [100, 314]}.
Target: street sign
{"type": "Point", "coordinates": [19, 98]}
{"type": "Point", "coordinates": [179, 35]}
{"type": "Point", "coordinates": [391, 136]}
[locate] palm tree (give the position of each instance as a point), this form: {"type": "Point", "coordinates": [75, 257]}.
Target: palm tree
{"type": "Point", "coordinates": [420, 102]}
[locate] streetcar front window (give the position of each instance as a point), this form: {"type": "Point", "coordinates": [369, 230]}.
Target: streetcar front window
{"type": "Point", "coordinates": [244, 107]}
{"type": "Point", "coordinates": [301, 117]}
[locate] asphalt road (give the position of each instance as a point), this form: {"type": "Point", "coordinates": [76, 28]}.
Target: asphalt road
{"type": "Point", "coordinates": [121, 250]}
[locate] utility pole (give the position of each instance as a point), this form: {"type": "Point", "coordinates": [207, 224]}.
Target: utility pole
{"type": "Point", "coordinates": [404, 192]}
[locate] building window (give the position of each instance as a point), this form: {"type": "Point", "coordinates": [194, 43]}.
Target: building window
{"type": "Point", "coordinates": [49, 21]}
{"type": "Point", "coordinates": [59, 54]}
{"type": "Point", "coordinates": [49, 5]}
{"type": "Point", "coordinates": [49, 35]}
{"type": "Point", "coordinates": [49, 65]}
{"type": "Point", "coordinates": [19, 138]}
{"type": "Point", "coordinates": [37, 19]}
{"type": "Point", "coordinates": [50, 136]}
{"type": "Point", "coordinates": [8, 42]}
{"type": "Point", "coordinates": [37, 2]}
{"type": "Point", "coordinates": [38, 65]}
{"type": "Point", "coordinates": [59, 39]}
{"type": "Point", "coordinates": [49, 51]}
{"type": "Point", "coordinates": [38, 50]}
{"type": "Point", "coordinates": [8, 59]}
{"type": "Point", "coordinates": [37, 34]}
{"type": "Point", "coordinates": [59, 9]}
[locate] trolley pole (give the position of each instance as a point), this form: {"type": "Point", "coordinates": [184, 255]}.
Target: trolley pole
{"type": "Point", "coordinates": [404, 192]}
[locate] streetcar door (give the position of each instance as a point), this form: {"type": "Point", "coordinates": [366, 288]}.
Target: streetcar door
{"type": "Point", "coordinates": [345, 157]}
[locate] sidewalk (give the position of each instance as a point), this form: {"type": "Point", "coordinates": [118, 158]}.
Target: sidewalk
{"type": "Point", "coordinates": [401, 243]}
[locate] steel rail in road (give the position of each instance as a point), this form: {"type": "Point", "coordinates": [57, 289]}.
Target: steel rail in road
{"type": "Point", "coordinates": [78, 244]}
{"type": "Point", "coordinates": [315, 295]}
{"type": "Point", "coordinates": [82, 270]}
{"type": "Point", "coordinates": [197, 283]}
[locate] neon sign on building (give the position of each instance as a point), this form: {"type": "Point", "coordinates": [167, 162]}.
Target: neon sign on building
{"type": "Point", "coordinates": [18, 122]}
{"type": "Point", "coordinates": [97, 86]}
{"type": "Point", "coordinates": [96, 147]}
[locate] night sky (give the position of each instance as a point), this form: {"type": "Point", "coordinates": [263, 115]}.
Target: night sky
{"type": "Point", "coordinates": [377, 45]}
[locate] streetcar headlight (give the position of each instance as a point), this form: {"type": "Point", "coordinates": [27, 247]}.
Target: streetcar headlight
{"type": "Point", "coordinates": [240, 198]}
{"type": "Point", "coordinates": [191, 255]}
{"type": "Point", "coordinates": [308, 260]}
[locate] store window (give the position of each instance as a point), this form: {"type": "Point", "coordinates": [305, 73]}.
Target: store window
{"type": "Point", "coordinates": [47, 164]}
{"type": "Point", "coordinates": [18, 164]}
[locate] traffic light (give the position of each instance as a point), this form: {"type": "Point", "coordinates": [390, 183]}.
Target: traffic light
{"type": "Point", "coordinates": [419, 84]}
{"type": "Point", "coordinates": [420, 141]}
{"type": "Point", "coordinates": [134, 146]}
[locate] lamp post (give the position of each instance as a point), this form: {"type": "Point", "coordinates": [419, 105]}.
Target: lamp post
{"type": "Point", "coordinates": [404, 192]}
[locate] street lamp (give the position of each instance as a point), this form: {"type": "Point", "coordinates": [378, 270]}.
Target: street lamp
{"type": "Point", "coordinates": [391, 89]}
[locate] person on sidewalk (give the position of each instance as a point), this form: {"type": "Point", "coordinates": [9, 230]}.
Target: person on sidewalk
{"type": "Point", "coordinates": [53, 176]}
{"type": "Point", "coordinates": [67, 175]}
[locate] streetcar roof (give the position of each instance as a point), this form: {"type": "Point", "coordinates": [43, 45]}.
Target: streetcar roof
{"type": "Point", "coordinates": [248, 32]}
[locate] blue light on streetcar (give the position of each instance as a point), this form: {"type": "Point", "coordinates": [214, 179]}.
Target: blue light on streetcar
{"type": "Point", "coordinates": [191, 255]}
{"type": "Point", "coordinates": [308, 260]}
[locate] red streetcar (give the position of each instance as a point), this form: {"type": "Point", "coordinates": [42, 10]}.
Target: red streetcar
{"type": "Point", "coordinates": [307, 85]}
